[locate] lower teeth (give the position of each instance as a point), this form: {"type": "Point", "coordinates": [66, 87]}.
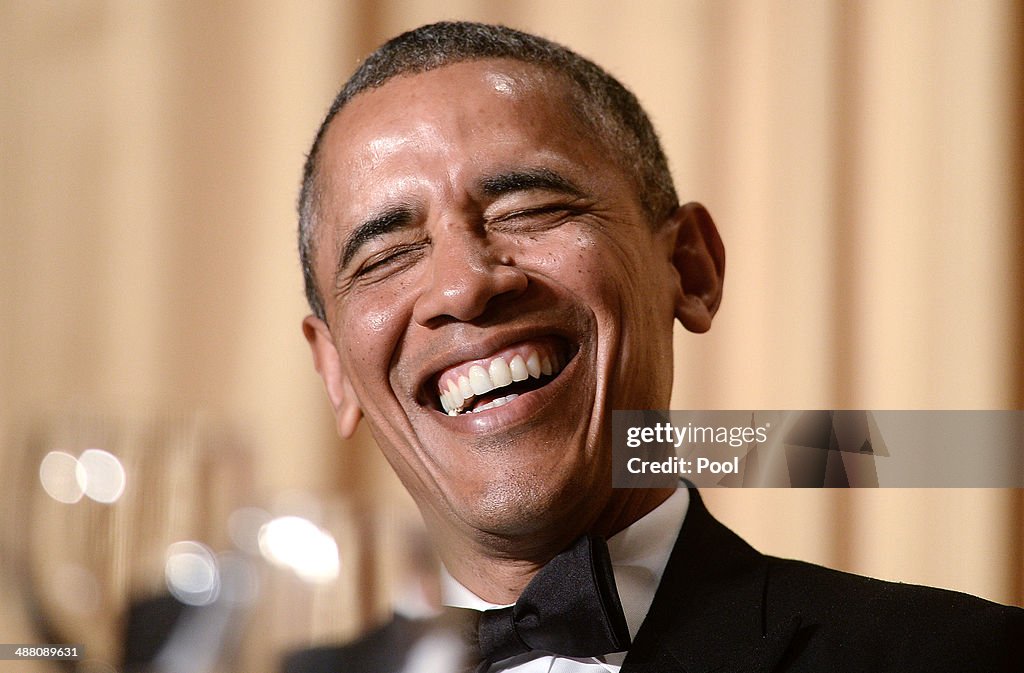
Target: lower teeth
{"type": "Point", "coordinates": [495, 403]}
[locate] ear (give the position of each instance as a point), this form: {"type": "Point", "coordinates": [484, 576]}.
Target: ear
{"type": "Point", "coordinates": [699, 258]}
{"type": "Point", "coordinates": [328, 365]}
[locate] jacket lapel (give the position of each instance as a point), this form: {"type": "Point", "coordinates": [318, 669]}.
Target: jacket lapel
{"type": "Point", "coordinates": [709, 612]}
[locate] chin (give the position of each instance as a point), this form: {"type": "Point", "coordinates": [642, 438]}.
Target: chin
{"type": "Point", "coordinates": [525, 503]}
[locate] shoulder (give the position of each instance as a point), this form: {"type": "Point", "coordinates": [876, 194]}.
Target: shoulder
{"type": "Point", "coordinates": [895, 625]}
{"type": "Point", "coordinates": [835, 587]}
{"type": "Point", "coordinates": [723, 604]}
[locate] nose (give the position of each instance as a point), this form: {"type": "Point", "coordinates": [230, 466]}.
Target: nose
{"type": "Point", "coordinates": [466, 274]}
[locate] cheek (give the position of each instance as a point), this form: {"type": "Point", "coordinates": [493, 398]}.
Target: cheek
{"type": "Point", "coordinates": [603, 271]}
{"type": "Point", "coordinates": [576, 260]}
{"type": "Point", "coordinates": [622, 280]}
{"type": "Point", "coordinates": [372, 325]}
{"type": "Point", "coordinates": [377, 321]}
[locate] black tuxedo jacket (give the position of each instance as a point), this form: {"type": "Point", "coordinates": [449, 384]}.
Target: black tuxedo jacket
{"type": "Point", "coordinates": [722, 606]}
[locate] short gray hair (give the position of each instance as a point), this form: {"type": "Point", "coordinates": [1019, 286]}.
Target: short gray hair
{"type": "Point", "coordinates": [602, 102]}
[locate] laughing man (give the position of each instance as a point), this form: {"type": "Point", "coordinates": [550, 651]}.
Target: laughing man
{"type": "Point", "coordinates": [495, 255]}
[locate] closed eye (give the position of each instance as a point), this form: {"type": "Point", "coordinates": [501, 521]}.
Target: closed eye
{"type": "Point", "coordinates": [386, 263]}
{"type": "Point", "coordinates": [531, 220]}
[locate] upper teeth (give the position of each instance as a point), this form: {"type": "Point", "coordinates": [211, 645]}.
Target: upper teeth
{"type": "Point", "coordinates": [457, 389]}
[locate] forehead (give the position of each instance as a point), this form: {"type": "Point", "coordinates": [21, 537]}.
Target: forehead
{"type": "Point", "coordinates": [467, 116]}
{"type": "Point", "coordinates": [472, 93]}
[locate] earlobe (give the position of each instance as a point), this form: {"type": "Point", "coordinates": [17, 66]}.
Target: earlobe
{"type": "Point", "coordinates": [699, 258]}
{"type": "Point", "coordinates": [327, 363]}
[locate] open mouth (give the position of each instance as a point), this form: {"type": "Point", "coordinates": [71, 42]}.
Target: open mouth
{"type": "Point", "coordinates": [479, 385]}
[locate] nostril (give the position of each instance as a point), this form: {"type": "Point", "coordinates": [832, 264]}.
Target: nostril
{"type": "Point", "coordinates": [464, 292]}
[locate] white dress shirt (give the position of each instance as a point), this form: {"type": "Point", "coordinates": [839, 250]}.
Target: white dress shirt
{"type": "Point", "coordinates": [639, 554]}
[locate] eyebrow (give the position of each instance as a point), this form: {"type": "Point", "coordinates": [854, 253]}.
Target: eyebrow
{"type": "Point", "coordinates": [389, 220]}
{"type": "Point", "coordinates": [525, 180]}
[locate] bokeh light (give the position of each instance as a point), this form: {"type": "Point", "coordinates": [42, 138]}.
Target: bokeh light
{"type": "Point", "coordinates": [299, 544]}
{"type": "Point", "coordinates": [96, 474]}
{"type": "Point", "coordinates": [192, 573]}
{"type": "Point", "coordinates": [62, 476]}
{"type": "Point", "coordinates": [104, 475]}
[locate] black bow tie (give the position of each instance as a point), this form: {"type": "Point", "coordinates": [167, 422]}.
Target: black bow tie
{"type": "Point", "coordinates": [570, 607]}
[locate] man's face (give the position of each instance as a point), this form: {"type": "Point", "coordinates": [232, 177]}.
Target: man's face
{"type": "Point", "coordinates": [492, 292]}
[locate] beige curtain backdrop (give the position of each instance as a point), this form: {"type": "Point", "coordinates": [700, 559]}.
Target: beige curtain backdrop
{"type": "Point", "coordinates": [862, 160]}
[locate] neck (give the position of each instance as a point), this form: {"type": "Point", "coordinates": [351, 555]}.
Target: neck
{"type": "Point", "coordinates": [497, 568]}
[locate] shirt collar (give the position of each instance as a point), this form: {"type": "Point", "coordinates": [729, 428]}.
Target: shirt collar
{"type": "Point", "coordinates": [639, 555]}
